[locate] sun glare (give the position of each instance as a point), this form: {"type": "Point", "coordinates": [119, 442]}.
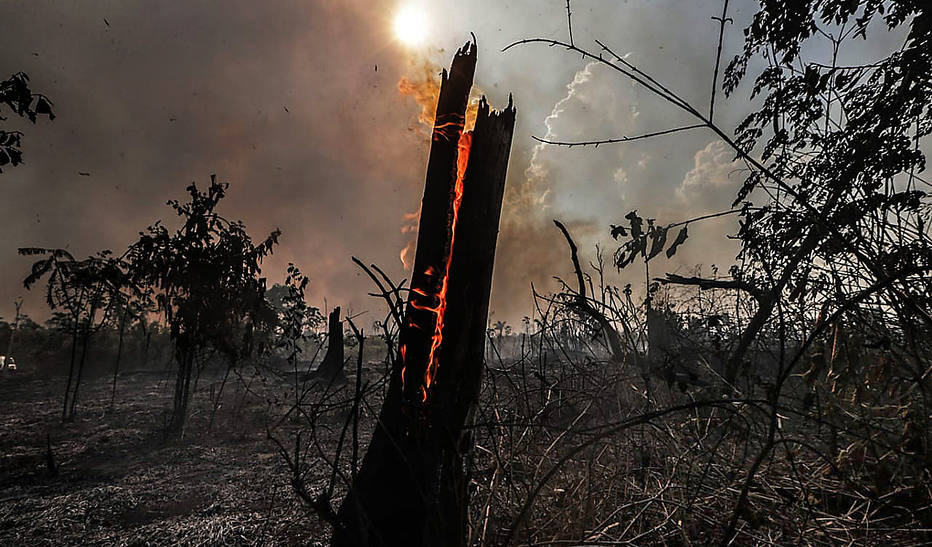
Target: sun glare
{"type": "Point", "coordinates": [410, 25]}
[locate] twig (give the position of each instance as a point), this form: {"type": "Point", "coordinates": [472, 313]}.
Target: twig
{"type": "Point", "coordinates": [569, 20]}
{"type": "Point", "coordinates": [597, 143]}
{"type": "Point", "coordinates": [620, 426]}
{"type": "Point", "coordinates": [706, 284]}
{"type": "Point", "coordinates": [718, 55]}
{"type": "Point", "coordinates": [396, 313]}
{"type": "Point", "coordinates": [356, 397]}
{"type": "Point", "coordinates": [583, 304]}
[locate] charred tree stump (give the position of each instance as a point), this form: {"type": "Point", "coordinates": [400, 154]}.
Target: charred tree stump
{"type": "Point", "coordinates": [331, 370]}
{"type": "Point", "coordinates": [412, 487]}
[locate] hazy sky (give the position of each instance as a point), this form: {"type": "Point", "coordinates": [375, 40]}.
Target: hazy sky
{"type": "Point", "coordinates": [283, 100]}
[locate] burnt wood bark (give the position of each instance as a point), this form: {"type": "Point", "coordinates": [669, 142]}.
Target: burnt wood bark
{"type": "Point", "coordinates": [412, 486]}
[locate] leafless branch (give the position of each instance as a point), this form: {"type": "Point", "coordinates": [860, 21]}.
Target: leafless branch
{"type": "Point", "coordinates": [386, 294]}
{"type": "Point", "coordinates": [569, 20]}
{"type": "Point", "coordinates": [597, 143]}
{"type": "Point", "coordinates": [718, 55]}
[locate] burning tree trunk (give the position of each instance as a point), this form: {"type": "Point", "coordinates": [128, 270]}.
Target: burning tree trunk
{"type": "Point", "coordinates": [449, 149]}
{"type": "Point", "coordinates": [412, 486]}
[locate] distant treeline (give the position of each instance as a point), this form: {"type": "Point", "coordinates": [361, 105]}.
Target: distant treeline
{"type": "Point", "coordinates": [45, 349]}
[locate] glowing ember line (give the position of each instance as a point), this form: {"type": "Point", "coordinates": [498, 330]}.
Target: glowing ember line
{"type": "Point", "coordinates": [403, 348]}
{"type": "Point", "coordinates": [462, 160]}
{"type": "Point", "coordinates": [448, 130]}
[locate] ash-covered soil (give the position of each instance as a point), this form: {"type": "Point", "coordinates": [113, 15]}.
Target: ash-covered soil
{"type": "Point", "coordinates": [119, 481]}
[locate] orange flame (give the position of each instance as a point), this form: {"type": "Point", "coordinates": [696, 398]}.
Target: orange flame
{"type": "Point", "coordinates": [424, 89]}
{"type": "Point", "coordinates": [402, 348]}
{"type": "Point", "coordinates": [409, 227]}
{"type": "Point", "coordinates": [462, 160]}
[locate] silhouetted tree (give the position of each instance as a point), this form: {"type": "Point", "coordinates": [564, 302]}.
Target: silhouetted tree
{"type": "Point", "coordinates": [834, 181]}
{"type": "Point", "coordinates": [205, 280]}
{"type": "Point", "coordinates": [296, 320]}
{"type": "Point", "coordinates": [20, 99]}
{"type": "Point", "coordinates": [85, 289]}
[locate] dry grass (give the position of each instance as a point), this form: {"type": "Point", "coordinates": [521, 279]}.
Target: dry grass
{"type": "Point", "coordinates": [604, 476]}
{"type": "Point", "coordinates": [570, 450]}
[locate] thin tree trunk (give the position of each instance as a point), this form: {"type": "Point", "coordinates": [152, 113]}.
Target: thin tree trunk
{"type": "Point", "coordinates": [74, 350]}
{"type": "Point", "coordinates": [145, 351]}
{"type": "Point", "coordinates": [77, 382]}
{"type": "Point", "coordinates": [182, 382]}
{"type": "Point", "coordinates": [219, 397]}
{"type": "Point", "coordinates": [116, 367]}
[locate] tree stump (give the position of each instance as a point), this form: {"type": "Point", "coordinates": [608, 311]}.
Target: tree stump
{"type": "Point", "coordinates": [331, 370]}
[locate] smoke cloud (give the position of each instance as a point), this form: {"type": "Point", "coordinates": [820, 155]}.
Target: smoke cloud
{"type": "Point", "coordinates": [315, 114]}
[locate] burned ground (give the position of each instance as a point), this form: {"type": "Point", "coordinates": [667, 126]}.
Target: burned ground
{"type": "Point", "coordinates": [119, 482]}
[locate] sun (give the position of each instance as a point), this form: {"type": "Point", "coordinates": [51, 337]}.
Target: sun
{"type": "Point", "coordinates": [410, 25]}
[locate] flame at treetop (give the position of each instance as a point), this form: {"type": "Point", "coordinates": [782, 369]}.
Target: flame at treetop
{"type": "Point", "coordinates": [422, 335]}
{"type": "Point", "coordinates": [424, 89]}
